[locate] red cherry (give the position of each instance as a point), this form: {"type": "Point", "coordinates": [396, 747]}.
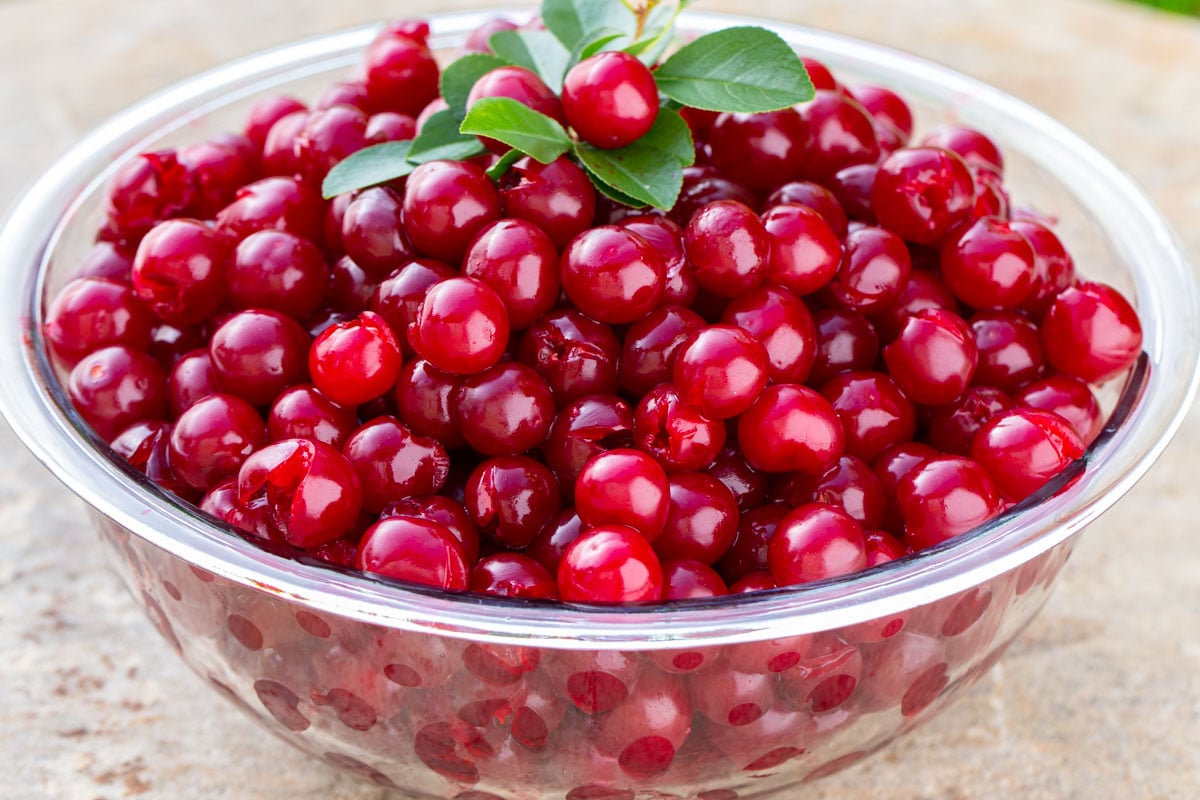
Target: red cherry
{"type": "Point", "coordinates": [610, 99]}
{"type": "Point", "coordinates": [415, 550]}
{"type": "Point", "coordinates": [1024, 448]}
{"type": "Point", "coordinates": [813, 542]}
{"type": "Point", "coordinates": [1091, 331]}
{"type": "Point", "coordinates": [624, 488]}
{"type": "Point", "coordinates": [610, 564]}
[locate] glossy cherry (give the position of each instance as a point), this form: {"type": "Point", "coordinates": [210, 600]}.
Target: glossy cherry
{"type": "Point", "coordinates": [933, 358]}
{"type": "Point", "coordinates": [790, 428]}
{"type": "Point", "coordinates": [446, 203]}
{"type": "Point", "coordinates": [462, 326]}
{"type": "Point", "coordinates": [626, 488]}
{"type": "Point", "coordinates": [721, 370]}
{"type": "Point", "coordinates": [805, 252]}
{"type": "Point", "coordinates": [511, 499]}
{"type": "Point", "coordinates": [504, 410]}
{"type": "Point", "coordinates": [610, 99]}
{"type": "Point", "coordinates": [357, 361]}
{"type": "Point", "coordinates": [610, 564]}
{"type": "Point", "coordinates": [312, 492]}
{"type": "Point", "coordinates": [679, 436]}
{"type": "Point", "coordinates": [942, 497]}
{"type": "Point", "coordinates": [813, 542]}
{"type": "Point", "coordinates": [1022, 449]}
{"type": "Point", "coordinates": [1091, 332]}
{"type": "Point", "coordinates": [612, 274]}
{"type": "Point", "coordinates": [392, 463]}
{"type": "Point", "coordinates": [519, 261]}
{"type": "Point", "coordinates": [414, 550]}
{"type": "Point", "coordinates": [258, 353]}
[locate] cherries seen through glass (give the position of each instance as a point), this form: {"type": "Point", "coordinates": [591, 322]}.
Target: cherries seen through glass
{"type": "Point", "coordinates": [841, 346]}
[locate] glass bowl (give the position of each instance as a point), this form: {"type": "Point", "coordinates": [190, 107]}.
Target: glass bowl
{"type": "Point", "coordinates": [459, 696]}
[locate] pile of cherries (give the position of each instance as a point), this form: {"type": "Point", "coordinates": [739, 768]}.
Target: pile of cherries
{"type": "Point", "coordinates": [841, 345]}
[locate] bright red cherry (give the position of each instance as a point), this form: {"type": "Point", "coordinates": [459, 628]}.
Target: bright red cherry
{"type": "Point", "coordinates": [805, 252]}
{"type": "Point", "coordinates": [701, 521]}
{"type": "Point", "coordinates": [1091, 332]}
{"type": "Point", "coordinates": [720, 369]}
{"type": "Point", "coordinates": [401, 74]}
{"type": "Point", "coordinates": [873, 411]}
{"type": "Point", "coordinates": [462, 326]}
{"type": "Point", "coordinates": [934, 357]}
{"type": "Point", "coordinates": [355, 362]}
{"type": "Point", "coordinates": [610, 99]}
{"type": "Point", "coordinates": [520, 263]}
{"type": "Point", "coordinates": [415, 550]}
{"type": "Point", "coordinates": [944, 496]}
{"type": "Point", "coordinates": [813, 542]}
{"type": "Point", "coordinates": [625, 488]}
{"type": "Point", "coordinates": [728, 247]}
{"type": "Point", "coordinates": [989, 265]}
{"type": "Point", "coordinates": [790, 428]}
{"type": "Point", "coordinates": [446, 203]}
{"type": "Point", "coordinates": [610, 564]}
{"type": "Point", "coordinates": [557, 197]}
{"type": "Point", "coordinates": [1071, 399]}
{"type": "Point", "coordinates": [612, 275]}
{"type": "Point", "coordinates": [279, 271]}
{"type": "Point", "coordinates": [513, 575]}
{"type": "Point", "coordinates": [575, 354]}
{"type": "Point", "coordinates": [1024, 448]}
{"type": "Point", "coordinates": [920, 193]}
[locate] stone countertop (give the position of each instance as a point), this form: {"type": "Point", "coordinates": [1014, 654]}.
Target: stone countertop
{"type": "Point", "coordinates": [1099, 699]}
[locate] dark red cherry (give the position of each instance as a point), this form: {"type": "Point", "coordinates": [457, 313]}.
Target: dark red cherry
{"type": "Point", "coordinates": [576, 355]}
{"type": "Point", "coordinates": [392, 463]}
{"type": "Point", "coordinates": [512, 498]}
{"type": "Point", "coordinates": [115, 386]}
{"type": "Point", "coordinates": [504, 410]}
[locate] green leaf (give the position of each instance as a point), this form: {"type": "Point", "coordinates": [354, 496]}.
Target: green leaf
{"type": "Point", "coordinates": [650, 170]}
{"type": "Point", "coordinates": [746, 70]}
{"type": "Point", "coordinates": [595, 45]}
{"type": "Point", "coordinates": [368, 167]}
{"type": "Point", "coordinates": [519, 126]}
{"type": "Point", "coordinates": [577, 22]}
{"type": "Point", "coordinates": [440, 139]}
{"type": "Point", "coordinates": [535, 50]}
{"type": "Point", "coordinates": [496, 171]}
{"type": "Point", "coordinates": [458, 79]}
{"type": "Point", "coordinates": [672, 135]}
{"type": "Point", "coordinates": [611, 193]}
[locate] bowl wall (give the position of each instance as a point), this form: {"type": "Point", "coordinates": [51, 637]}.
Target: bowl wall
{"type": "Point", "coordinates": [441, 717]}
{"type": "Point", "coordinates": [457, 697]}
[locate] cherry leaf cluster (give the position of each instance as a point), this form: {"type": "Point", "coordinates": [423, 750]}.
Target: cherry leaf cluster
{"type": "Point", "coordinates": [742, 69]}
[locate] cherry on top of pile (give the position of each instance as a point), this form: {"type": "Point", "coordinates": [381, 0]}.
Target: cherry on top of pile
{"type": "Point", "coordinates": [568, 326]}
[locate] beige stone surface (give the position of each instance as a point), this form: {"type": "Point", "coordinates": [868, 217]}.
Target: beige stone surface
{"type": "Point", "coordinates": [1099, 699]}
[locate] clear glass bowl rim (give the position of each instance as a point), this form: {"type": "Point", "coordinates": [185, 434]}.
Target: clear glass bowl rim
{"type": "Point", "coordinates": [1152, 406]}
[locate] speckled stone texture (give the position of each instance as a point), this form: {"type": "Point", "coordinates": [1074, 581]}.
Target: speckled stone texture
{"type": "Point", "coordinates": [1099, 699]}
